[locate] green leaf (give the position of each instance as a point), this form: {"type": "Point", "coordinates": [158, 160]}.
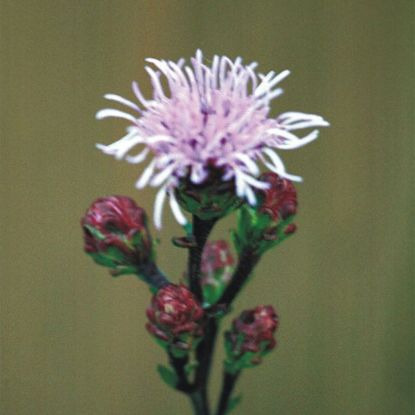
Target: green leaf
{"type": "Point", "coordinates": [233, 403]}
{"type": "Point", "coordinates": [169, 377]}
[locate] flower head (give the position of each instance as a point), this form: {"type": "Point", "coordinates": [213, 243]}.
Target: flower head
{"type": "Point", "coordinates": [175, 317]}
{"type": "Point", "coordinates": [116, 234]}
{"type": "Point", "coordinates": [251, 337]}
{"type": "Point", "coordinates": [214, 115]}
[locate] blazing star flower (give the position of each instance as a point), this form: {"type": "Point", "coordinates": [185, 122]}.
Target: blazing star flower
{"type": "Point", "coordinates": [213, 115]}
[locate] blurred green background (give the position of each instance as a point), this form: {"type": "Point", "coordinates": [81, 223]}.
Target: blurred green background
{"type": "Point", "coordinates": [73, 339]}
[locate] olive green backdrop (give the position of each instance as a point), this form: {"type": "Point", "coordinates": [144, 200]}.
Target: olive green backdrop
{"type": "Point", "coordinates": [73, 339]}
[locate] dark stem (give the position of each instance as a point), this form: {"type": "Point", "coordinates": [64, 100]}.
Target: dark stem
{"type": "Point", "coordinates": [204, 354]}
{"type": "Point", "coordinates": [229, 382]}
{"type": "Point", "coordinates": [201, 230]}
{"type": "Point", "coordinates": [199, 403]}
{"type": "Point", "coordinates": [179, 365]}
{"type": "Point", "coordinates": [152, 275]}
{"type": "Point", "coordinates": [246, 263]}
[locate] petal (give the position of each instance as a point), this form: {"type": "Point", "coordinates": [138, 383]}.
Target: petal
{"type": "Point", "coordinates": [145, 177]}
{"type": "Point", "coordinates": [108, 112]}
{"type": "Point", "coordinates": [140, 157]}
{"type": "Point", "coordinates": [277, 166]}
{"type": "Point", "coordinates": [158, 206]}
{"type": "Point", "coordinates": [139, 95]}
{"type": "Point", "coordinates": [122, 100]}
{"type": "Point", "coordinates": [248, 162]}
{"type": "Point", "coordinates": [177, 212]}
{"type": "Point", "coordinates": [162, 176]}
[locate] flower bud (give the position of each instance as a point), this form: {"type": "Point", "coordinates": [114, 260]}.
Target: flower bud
{"type": "Point", "coordinates": [280, 200]}
{"type": "Point", "coordinates": [216, 269]}
{"type": "Point", "coordinates": [250, 338]}
{"type": "Point", "coordinates": [213, 198]}
{"type": "Point", "coordinates": [269, 222]}
{"type": "Point", "coordinates": [175, 318]}
{"type": "Point", "coordinates": [116, 234]}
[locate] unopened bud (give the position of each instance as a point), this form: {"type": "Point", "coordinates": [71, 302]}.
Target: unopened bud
{"type": "Point", "coordinates": [175, 318]}
{"type": "Point", "coordinates": [250, 338]}
{"type": "Point", "coordinates": [116, 234]}
{"type": "Point", "coordinates": [279, 201]}
{"type": "Point", "coordinates": [267, 224]}
{"type": "Point", "coordinates": [216, 269]}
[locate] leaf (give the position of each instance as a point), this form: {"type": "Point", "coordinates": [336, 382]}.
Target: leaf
{"type": "Point", "coordinates": [233, 403]}
{"type": "Point", "coordinates": [169, 377]}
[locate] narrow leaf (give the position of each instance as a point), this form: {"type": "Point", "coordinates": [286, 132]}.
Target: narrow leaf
{"type": "Point", "coordinates": [233, 403]}
{"type": "Point", "coordinates": [169, 377]}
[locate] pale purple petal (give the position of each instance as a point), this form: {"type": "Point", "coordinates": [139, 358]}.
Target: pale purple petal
{"type": "Point", "coordinates": [206, 114]}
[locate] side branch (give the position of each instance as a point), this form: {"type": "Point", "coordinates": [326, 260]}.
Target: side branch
{"type": "Point", "coordinates": [152, 275]}
{"type": "Point", "coordinates": [246, 263]}
{"type": "Point", "coordinates": [228, 385]}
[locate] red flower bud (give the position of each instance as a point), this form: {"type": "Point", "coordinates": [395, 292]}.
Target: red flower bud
{"type": "Point", "coordinates": [216, 256]}
{"type": "Point", "coordinates": [216, 269]}
{"type": "Point", "coordinates": [267, 224]}
{"type": "Point", "coordinates": [116, 233]}
{"type": "Point", "coordinates": [280, 200]}
{"type": "Point", "coordinates": [251, 337]}
{"type": "Point", "coordinates": [175, 316]}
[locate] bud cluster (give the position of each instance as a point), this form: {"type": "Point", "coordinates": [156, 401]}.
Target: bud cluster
{"type": "Point", "coordinates": [251, 337]}
{"type": "Point", "coordinates": [175, 318]}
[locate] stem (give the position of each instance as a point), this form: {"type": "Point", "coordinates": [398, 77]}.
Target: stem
{"type": "Point", "coordinates": [201, 230]}
{"type": "Point", "coordinates": [179, 364]}
{"type": "Point", "coordinates": [198, 392]}
{"type": "Point", "coordinates": [246, 263]}
{"type": "Point", "coordinates": [229, 382]}
{"type": "Point", "coordinates": [199, 403]}
{"type": "Point", "coordinates": [152, 275]}
{"type": "Point", "coordinates": [204, 354]}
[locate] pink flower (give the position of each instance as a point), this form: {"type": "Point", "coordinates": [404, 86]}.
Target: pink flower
{"type": "Point", "coordinates": [213, 114]}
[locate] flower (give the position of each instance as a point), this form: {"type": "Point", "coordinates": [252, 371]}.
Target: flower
{"type": "Point", "coordinates": [251, 337]}
{"type": "Point", "coordinates": [213, 114]}
{"type": "Point", "coordinates": [116, 234]}
{"type": "Point", "coordinates": [175, 317]}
